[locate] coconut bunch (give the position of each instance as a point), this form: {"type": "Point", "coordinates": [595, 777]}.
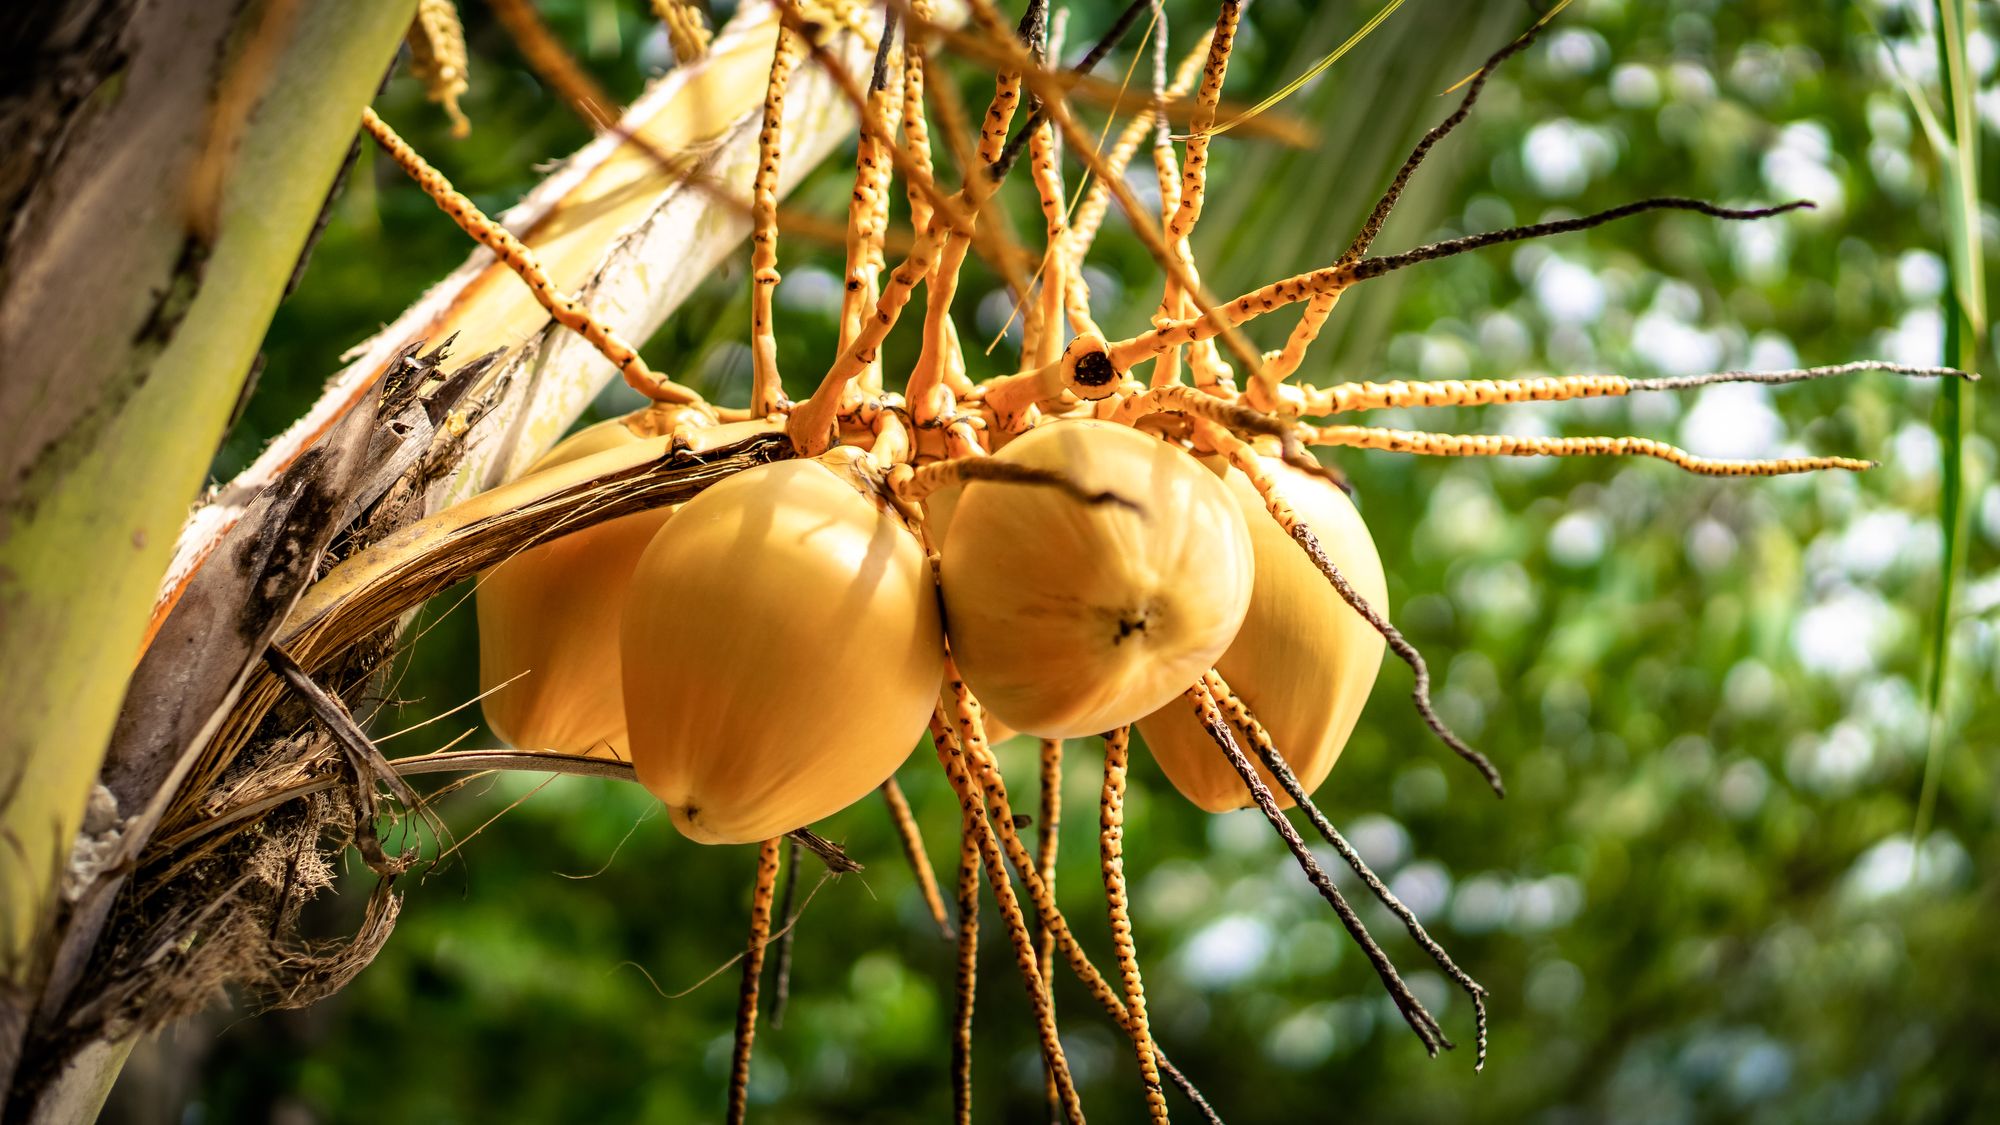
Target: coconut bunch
{"type": "Point", "coordinates": [1119, 533]}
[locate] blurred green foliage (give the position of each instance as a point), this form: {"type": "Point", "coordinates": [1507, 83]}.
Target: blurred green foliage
{"type": "Point", "coordinates": [1700, 899]}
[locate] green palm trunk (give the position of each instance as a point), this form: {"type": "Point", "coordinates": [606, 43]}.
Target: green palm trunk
{"type": "Point", "coordinates": [173, 166]}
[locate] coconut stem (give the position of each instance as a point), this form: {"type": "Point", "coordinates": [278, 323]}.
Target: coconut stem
{"type": "Point", "coordinates": [1245, 719]}
{"type": "Point", "coordinates": [912, 839]}
{"type": "Point", "coordinates": [565, 309]}
{"type": "Point", "coordinates": [949, 234]}
{"type": "Point", "coordinates": [1111, 849]}
{"type": "Point", "coordinates": [1420, 687]}
{"type": "Point", "coordinates": [781, 989]}
{"type": "Point", "coordinates": [1001, 813]}
{"type": "Point", "coordinates": [1047, 836]}
{"type": "Point", "coordinates": [753, 965]}
{"type": "Point", "coordinates": [1048, 87]}
{"type": "Point", "coordinates": [1342, 398]}
{"type": "Point", "coordinates": [1279, 366]}
{"type": "Point", "coordinates": [767, 392]}
{"type": "Point", "coordinates": [1414, 1013]}
{"type": "Point", "coordinates": [1246, 461]}
{"type": "Point", "coordinates": [940, 350]}
{"type": "Point", "coordinates": [956, 758]}
{"type": "Point", "coordinates": [938, 378]}
{"type": "Point", "coordinates": [1089, 216]}
{"type": "Point", "coordinates": [968, 968]}
{"type": "Point", "coordinates": [916, 126]}
{"type": "Point", "coordinates": [1506, 445]}
{"type": "Point", "coordinates": [868, 206]}
{"type": "Point", "coordinates": [1211, 373]}
{"type": "Point", "coordinates": [1042, 336]}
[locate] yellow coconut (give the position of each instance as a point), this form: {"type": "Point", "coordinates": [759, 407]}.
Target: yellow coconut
{"type": "Point", "coordinates": [548, 616]}
{"type": "Point", "coordinates": [548, 624]}
{"type": "Point", "coordinates": [782, 650]}
{"type": "Point", "coordinates": [1069, 618]}
{"type": "Point", "coordinates": [938, 508]}
{"type": "Point", "coordinates": [1304, 660]}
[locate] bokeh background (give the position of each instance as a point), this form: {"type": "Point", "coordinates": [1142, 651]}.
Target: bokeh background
{"type": "Point", "coordinates": [1702, 898]}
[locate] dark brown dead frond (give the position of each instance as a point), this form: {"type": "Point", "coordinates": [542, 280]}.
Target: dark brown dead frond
{"type": "Point", "coordinates": [317, 970]}
{"type": "Point", "coordinates": [363, 758]}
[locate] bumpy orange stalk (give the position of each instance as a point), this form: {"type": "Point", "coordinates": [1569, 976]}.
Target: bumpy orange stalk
{"type": "Point", "coordinates": [956, 758]}
{"type": "Point", "coordinates": [438, 58]}
{"type": "Point", "coordinates": [968, 968]}
{"type": "Point", "coordinates": [567, 310]}
{"type": "Point", "coordinates": [868, 215]}
{"type": "Point", "coordinates": [940, 349]}
{"type": "Point", "coordinates": [1342, 398]}
{"type": "Point", "coordinates": [1097, 198]}
{"type": "Point", "coordinates": [1503, 445]}
{"type": "Point", "coordinates": [1264, 393]}
{"type": "Point", "coordinates": [811, 424]}
{"type": "Point", "coordinates": [1211, 373]}
{"type": "Point", "coordinates": [1048, 834]}
{"type": "Point", "coordinates": [686, 31]}
{"type": "Point", "coordinates": [767, 392]}
{"type": "Point", "coordinates": [1001, 814]}
{"type": "Point", "coordinates": [1111, 846]}
{"type": "Point", "coordinates": [1048, 89]}
{"type": "Point", "coordinates": [1042, 337]}
{"type": "Point", "coordinates": [912, 839]}
{"type": "Point", "coordinates": [753, 967]}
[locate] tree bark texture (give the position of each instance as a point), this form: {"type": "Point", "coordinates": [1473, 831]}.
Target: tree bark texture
{"type": "Point", "coordinates": [164, 163]}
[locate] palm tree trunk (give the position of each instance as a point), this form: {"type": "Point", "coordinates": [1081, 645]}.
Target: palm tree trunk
{"type": "Point", "coordinates": [166, 163]}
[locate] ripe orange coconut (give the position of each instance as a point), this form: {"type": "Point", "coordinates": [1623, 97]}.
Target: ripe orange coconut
{"type": "Point", "coordinates": [548, 624]}
{"type": "Point", "coordinates": [781, 649]}
{"type": "Point", "coordinates": [1304, 660]}
{"type": "Point", "coordinates": [548, 617]}
{"type": "Point", "coordinates": [1069, 618]}
{"type": "Point", "coordinates": [938, 508]}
